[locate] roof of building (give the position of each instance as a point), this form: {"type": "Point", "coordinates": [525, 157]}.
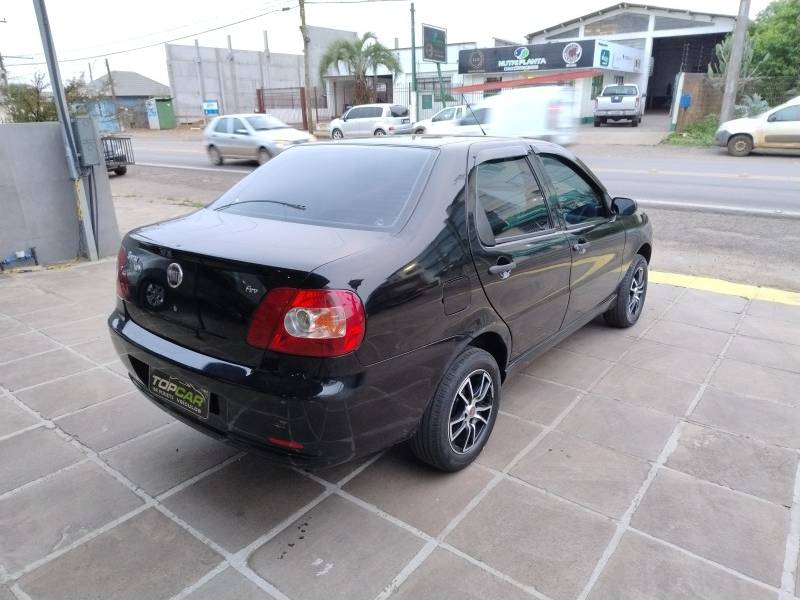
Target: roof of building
{"type": "Point", "coordinates": [623, 6]}
{"type": "Point", "coordinates": [129, 83]}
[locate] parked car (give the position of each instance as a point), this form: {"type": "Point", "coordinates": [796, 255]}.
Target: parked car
{"type": "Point", "coordinates": [775, 130]}
{"type": "Point", "coordinates": [250, 136]}
{"type": "Point", "coordinates": [317, 323]}
{"type": "Point", "coordinates": [365, 120]}
{"type": "Point", "coordinates": [441, 121]}
{"type": "Point", "coordinates": [619, 102]}
{"type": "Point", "coordinates": [544, 112]}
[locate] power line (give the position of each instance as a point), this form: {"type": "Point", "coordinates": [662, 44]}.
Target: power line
{"type": "Point", "coordinates": [349, 1]}
{"type": "Point", "coordinates": [153, 45]}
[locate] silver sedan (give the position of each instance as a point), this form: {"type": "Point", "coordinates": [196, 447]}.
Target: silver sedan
{"type": "Point", "coordinates": [250, 136]}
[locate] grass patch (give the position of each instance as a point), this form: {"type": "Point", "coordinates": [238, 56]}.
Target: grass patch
{"type": "Point", "coordinates": [696, 134]}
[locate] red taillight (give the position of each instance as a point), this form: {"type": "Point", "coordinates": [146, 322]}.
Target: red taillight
{"type": "Point", "coordinates": [122, 273]}
{"type": "Point", "coordinates": [308, 322]}
{"type": "Point", "coordinates": [286, 443]}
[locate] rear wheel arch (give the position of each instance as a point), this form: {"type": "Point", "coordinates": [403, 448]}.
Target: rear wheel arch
{"type": "Point", "coordinates": [494, 344]}
{"type": "Point", "coordinates": [645, 250]}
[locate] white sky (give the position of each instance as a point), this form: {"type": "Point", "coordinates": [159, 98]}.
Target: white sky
{"type": "Point", "coordinates": [94, 27]}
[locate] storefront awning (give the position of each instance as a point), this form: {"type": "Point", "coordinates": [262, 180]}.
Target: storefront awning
{"type": "Point", "coordinates": [534, 80]}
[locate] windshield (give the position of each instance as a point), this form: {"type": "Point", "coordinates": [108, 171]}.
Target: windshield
{"type": "Point", "coordinates": [620, 90]}
{"type": "Point", "coordinates": [474, 116]}
{"type": "Point", "coordinates": [357, 187]}
{"type": "Point", "coordinates": [266, 122]}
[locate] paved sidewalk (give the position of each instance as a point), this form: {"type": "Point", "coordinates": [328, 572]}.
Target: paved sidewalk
{"type": "Point", "coordinates": [658, 462]}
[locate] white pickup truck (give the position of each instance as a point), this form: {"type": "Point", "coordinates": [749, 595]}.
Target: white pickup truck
{"type": "Point", "coordinates": [618, 102]}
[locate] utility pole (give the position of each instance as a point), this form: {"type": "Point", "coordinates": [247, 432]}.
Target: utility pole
{"type": "Point", "coordinates": [735, 62]}
{"type": "Point", "coordinates": [414, 64]}
{"type": "Point", "coordinates": [113, 94]}
{"type": "Point", "coordinates": [307, 74]}
{"type": "Point", "coordinates": [70, 147]}
{"type": "Point", "coordinates": [91, 77]}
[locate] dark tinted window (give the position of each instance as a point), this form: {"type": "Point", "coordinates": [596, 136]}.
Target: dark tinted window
{"type": "Point", "coordinates": [361, 187]}
{"type": "Point", "coordinates": [221, 126]}
{"type": "Point", "coordinates": [357, 112]}
{"type": "Point", "coordinates": [373, 112]}
{"type": "Point", "coordinates": [399, 111]}
{"type": "Point", "coordinates": [578, 200]}
{"type": "Point", "coordinates": [510, 197]}
{"type": "Point", "coordinates": [620, 90]}
{"type": "Point", "coordinates": [790, 113]}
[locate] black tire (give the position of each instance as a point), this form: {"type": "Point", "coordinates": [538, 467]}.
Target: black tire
{"type": "Point", "coordinates": [214, 156]}
{"type": "Point", "coordinates": [604, 121]}
{"type": "Point", "coordinates": [635, 122]}
{"type": "Point", "coordinates": [597, 121]}
{"type": "Point", "coordinates": [432, 442]}
{"type": "Point", "coordinates": [420, 131]}
{"type": "Point", "coordinates": [121, 170]}
{"type": "Point", "coordinates": [624, 312]}
{"type": "Point", "coordinates": [379, 132]}
{"type": "Point", "coordinates": [336, 134]}
{"type": "Point", "coordinates": [264, 156]}
{"type": "Point", "coordinates": [740, 145]}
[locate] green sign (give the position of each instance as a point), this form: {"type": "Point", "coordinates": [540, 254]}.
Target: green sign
{"type": "Point", "coordinates": [434, 44]}
{"type": "Point", "coordinates": [427, 101]}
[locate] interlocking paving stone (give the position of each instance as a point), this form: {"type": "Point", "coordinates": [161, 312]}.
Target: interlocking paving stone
{"type": "Point", "coordinates": [25, 344]}
{"type": "Point", "coordinates": [647, 389]}
{"type": "Point", "coordinates": [45, 367]}
{"type": "Point", "coordinates": [338, 472]}
{"type": "Point", "coordinates": [31, 301]}
{"type": "Point", "coordinates": [703, 299]}
{"type": "Point", "coordinates": [79, 331]}
{"type": "Point", "coordinates": [768, 329]}
{"type": "Point", "coordinates": [446, 576]}
{"type": "Point", "coordinates": [167, 457]}
{"type": "Point", "coordinates": [508, 438]}
{"type": "Point", "coordinates": [55, 512]}
{"type": "Point", "coordinates": [735, 530]}
{"type": "Point", "coordinates": [741, 464]}
{"type": "Point", "coordinates": [669, 360]}
{"type": "Point", "coordinates": [242, 501]}
{"type": "Point", "coordinates": [765, 353]}
{"type": "Point", "coordinates": [754, 380]}
{"type": "Point", "coordinates": [72, 393]}
{"type": "Point", "coordinates": [5, 593]}
{"type": "Point", "coordinates": [100, 350]}
{"type": "Point", "coordinates": [229, 585]}
{"type": "Point", "coordinates": [64, 313]}
{"type": "Point", "coordinates": [10, 327]}
{"type": "Point", "coordinates": [774, 310]}
{"type": "Point", "coordinates": [110, 423]}
{"type": "Point", "coordinates": [686, 336]}
{"type": "Point", "coordinates": [644, 569]}
{"type": "Point", "coordinates": [598, 341]}
{"type": "Point", "coordinates": [148, 556]}
{"type": "Point", "coordinates": [345, 552]}
{"type": "Point", "coordinates": [536, 539]}
{"type": "Point", "coordinates": [593, 476]}
{"type": "Point", "coordinates": [572, 369]}
{"type": "Point", "coordinates": [31, 455]}
{"type": "Point", "coordinates": [400, 485]}
{"type": "Point", "coordinates": [637, 431]}
{"type": "Point", "coordinates": [767, 421]}
{"type": "Point", "coordinates": [534, 399]}
{"type": "Point", "coordinates": [12, 417]}
{"type": "Point", "coordinates": [706, 317]}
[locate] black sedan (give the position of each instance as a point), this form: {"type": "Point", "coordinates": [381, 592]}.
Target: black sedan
{"type": "Point", "coordinates": [346, 297]}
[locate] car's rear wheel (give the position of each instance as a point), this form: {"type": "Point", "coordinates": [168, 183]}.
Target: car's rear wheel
{"type": "Point", "coordinates": [380, 132]}
{"type": "Point", "coordinates": [740, 145]}
{"type": "Point", "coordinates": [337, 134]}
{"type": "Point", "coordinates": [121, 170]}
{"type": "Point", "coordinates": [214, 155]}
{"type": "Point", "coordinates": [597, 122]}
{"type": "Point", "coordinates": [460, 418]}
{"type": "Point", "coordinates": [635, 122]}
{"type": "Point", "coordinates": [631, 294]}
{"type": "Point", "coordinates": [420, 131]}
{"type": "Point", "coordinates": [263, 156]}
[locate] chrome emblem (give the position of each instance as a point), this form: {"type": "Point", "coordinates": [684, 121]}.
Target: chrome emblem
{"type": "Point", "coordinates": [174, 275]}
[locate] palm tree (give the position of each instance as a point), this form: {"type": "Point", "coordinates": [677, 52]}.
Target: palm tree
{"type": "Point", "coordinates": [359, 56]}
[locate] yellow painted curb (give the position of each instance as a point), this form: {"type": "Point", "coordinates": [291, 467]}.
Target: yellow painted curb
{"type": "Point", "coordinates": [729, 288]}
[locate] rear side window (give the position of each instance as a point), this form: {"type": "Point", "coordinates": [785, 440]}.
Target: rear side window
{"type": "Point", "coordinates": [578, 200]}
{"type": "Point", "coordinates": [357, 187]}
{"type": "Point", "coordinates": [511, 199]}
{"type": "Point", "coordinates": [373, 112]}
{"type": "Point", "coordinates": [221, 126]}
{"type": "Point", "coordinates": [399, 111]}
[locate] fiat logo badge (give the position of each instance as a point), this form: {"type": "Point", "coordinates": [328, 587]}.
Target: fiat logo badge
{"type": "Point", "coordinates": [174, 275]}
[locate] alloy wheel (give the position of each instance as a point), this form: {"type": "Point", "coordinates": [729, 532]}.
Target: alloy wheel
{"type": "Point", "coordinates": [471, 411]}
{"type": "Point", "coordinates": [740, 146]}
{"type": "Point", "coordinates": [636, 292]}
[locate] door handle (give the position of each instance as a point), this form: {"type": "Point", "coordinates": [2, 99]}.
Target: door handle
{"type": "Point", "coordinates": [503, 269]}
{"type": "Point", "coordinates": [580, 246]}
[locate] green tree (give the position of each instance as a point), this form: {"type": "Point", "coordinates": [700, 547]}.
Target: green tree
{"type": "Point", "coordinates": [776, 39]}
{"type": "Point", "coordinates": [30, 102]}
{"type": "Point", "coordinates": [359, 56]}
{"type": "Point", "coordinates": [751, 66]}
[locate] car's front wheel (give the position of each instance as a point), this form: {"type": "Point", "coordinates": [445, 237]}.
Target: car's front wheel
{"type": "Point", "coordinates": [214, 155]}
{"type": "Point", "coordinates": [740, 145]}
{"type": "Point", "coordinates": [263, 156]}
{"type": "Point", "coordinates": [631, 294]}
{"type": "Point", "coordinates": [337, 134]}
{"type": "Point", "coordinates": [460, 418]}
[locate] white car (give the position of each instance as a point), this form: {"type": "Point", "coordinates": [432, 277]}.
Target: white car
{"type": "Point", "coordinates": [775, 130]}
{"type": "Point", "coordinates": [619, 101]}
{"type": "Point", "coordinates": [372, 119]}
{"type": "Point", "coordinates": [441, 121]}
{"type": "Point", "coordinates": [543, 112]}
{"type": "Point", "coordinates": [250, 136]}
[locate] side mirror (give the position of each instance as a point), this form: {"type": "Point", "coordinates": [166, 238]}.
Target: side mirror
{"type": "Point", "coordinates": [624, 207]}
{"type": "Point", "coordinates": [242, 132]}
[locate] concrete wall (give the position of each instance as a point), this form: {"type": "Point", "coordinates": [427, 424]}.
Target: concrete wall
{"type": "Point", "coordinates": [37, 202]}
{"type": "Point", "coordinates": [706, 99]}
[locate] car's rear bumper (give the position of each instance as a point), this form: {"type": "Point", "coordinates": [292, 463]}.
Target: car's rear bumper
{"type": "Point", "coordinates": [335, 418]}
{"type": "Point", "coordinates": [621, 113]}
{"type": "Point", "coordinates": [400, 129]}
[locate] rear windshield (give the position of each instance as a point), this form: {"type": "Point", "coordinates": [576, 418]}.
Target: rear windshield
{"type": "Point", "coordinates": [338, 185]}
{"type": "Point", "coordinates": [620, 90]}
{"type": "Point", "coordinates": [399, 111]}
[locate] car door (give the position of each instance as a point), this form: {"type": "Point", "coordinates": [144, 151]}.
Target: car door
{"type": "Point", "coordinates": [596, 237]}
{"type": "Point", "coordinates": [782, 128]}
{"type": "Point", "coordinates": [374, 118]}
{"type": "Point", "coordinates": [444, 116]}
{"type": "Point", "coordinates": [242, 144]}
{"type": "Point", "coordinates": [521, 253]}
{"type": "Point", "coordinates": [220, 135]}
{"type": "Point", "coordinates": [350, 121]}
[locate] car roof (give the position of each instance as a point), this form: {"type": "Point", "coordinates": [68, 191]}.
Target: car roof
{"type": "Point", "coordinates": [441, 141]}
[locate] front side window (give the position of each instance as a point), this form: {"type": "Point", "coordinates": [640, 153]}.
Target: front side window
{"type": "Point", "coordinates": [578, 200]}
{"type": "Point", "coordinates": [790, 113]}
{"type": "Point", "coordinates": [356, 113]}
{"type": "Point", "coordinates": [445, 115]}
{"type": "Point", "coordinates": [510, 197]}
{"type": "Point", "coordinates": [221, 126]}
{"type": "Point", "coordinates": [475, 116]}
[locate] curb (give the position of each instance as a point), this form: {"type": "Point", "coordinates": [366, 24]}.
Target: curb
{"type": "Point", "coordinates": [729, 288]}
